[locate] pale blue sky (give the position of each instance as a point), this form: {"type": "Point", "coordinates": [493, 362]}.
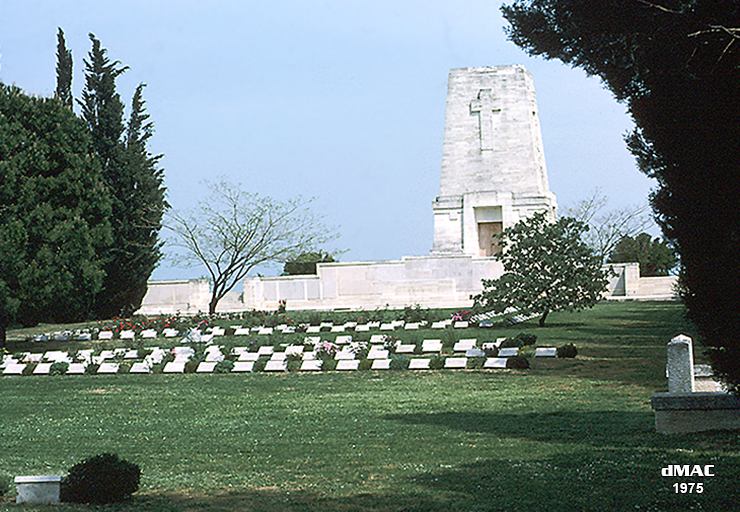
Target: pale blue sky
{"type": "Point", "coordinates": [343, 100]}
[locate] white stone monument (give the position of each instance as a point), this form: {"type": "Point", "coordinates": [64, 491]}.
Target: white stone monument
{"type": "Point", "coordinates": [680, 365]}
{"type": "Point", "coordinates": [493, 161]}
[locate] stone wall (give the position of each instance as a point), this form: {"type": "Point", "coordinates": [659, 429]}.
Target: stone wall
{"type": "Point", "coordinates": [429, 281]}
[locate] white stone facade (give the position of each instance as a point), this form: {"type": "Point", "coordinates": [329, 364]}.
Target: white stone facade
{"type": "Point", "coordinates": [493, 161]}
{"type": "Point", "coordinates": [493, 175]}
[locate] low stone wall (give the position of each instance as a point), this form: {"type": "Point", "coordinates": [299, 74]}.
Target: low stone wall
{"type": "Point", "coordinates": [434, 281]}
{"type": "Point", "coordinates": [677, 413]}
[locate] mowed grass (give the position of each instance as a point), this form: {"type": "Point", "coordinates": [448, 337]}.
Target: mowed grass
{"type": "Point", "coordinates": [564, 436]}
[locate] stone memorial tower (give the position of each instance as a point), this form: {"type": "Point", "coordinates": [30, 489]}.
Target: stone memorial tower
{"type": "Point", "coordinates": [493, 162]}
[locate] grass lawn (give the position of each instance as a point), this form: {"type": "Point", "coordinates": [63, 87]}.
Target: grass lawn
{"type": "Point", "coordinates": [567, 435]}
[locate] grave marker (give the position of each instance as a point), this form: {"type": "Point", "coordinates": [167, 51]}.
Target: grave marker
{"type": "Point", "coordinates": [419, 364]}
{"type": "Point", "coordinates": [456, 362]}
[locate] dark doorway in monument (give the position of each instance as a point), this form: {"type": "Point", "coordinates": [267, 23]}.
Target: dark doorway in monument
{"type": "Point", "coordinates": [487, 241]}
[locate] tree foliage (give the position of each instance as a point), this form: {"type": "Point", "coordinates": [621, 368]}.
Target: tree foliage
{"type": "Point", "coordinates": [232, 232]}
{"type": "Point", "coordinates": [54, 213]}
{"type": "Point", "coordinates": [305, 264]}
{"type": "Point", "coordinates": [133, 179]}
{"type": "Point", "coordinates": [655, 256]}
{"type": "Point", "coordinates": [607, 228]}
{"type": "Point", "coordinates": [547, 267]}
{"type": "Point", "coordinates": [676, 64]}
{"type": "Point", "coordinates": [64, 71]}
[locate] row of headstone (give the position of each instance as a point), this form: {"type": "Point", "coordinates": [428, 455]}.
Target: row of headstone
{"type": "Point", "coordinates": [347, 351]}
{"type": "Point", "coordinates": [310, 361]}
{"type": "Point", "coordinates": [130, 334]}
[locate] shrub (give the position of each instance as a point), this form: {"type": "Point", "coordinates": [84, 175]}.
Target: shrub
{"type": "Point", "coordinates": [30, 367]}
{"type": "Point", "coordinates": [191, 366]}
{"type": "Point", "coordinates": [6, 483]}
{"type": "Point", "coordinates": [517, 363]}
{"type": "Point", "coordinates": [400, 362]}
{"type": "Point", "coordinates": [100, 479]}
{"type": "Point", "coordinates": [365, 364]}
{"type": "Point", "coordinates": [437, 363]}
{"type": "Point", "coordinates": [520, 340]}
{"type": "Point", "coordinates": [476, 362]}
{"type": "Point", "coordinates": [329, 365]}
{"type": "Point", "coordinates": [567, 350]}
{"type": "Point", "coordinates": [293, 365]}
{"type": "Point", "coordinates": [224, 366]}
{"type": "Point", "coordinates": [259, 365]}
{"type": "Point", "coordinates": [59, 368]}
{"type": "Point", "coordinates": [124, 368]}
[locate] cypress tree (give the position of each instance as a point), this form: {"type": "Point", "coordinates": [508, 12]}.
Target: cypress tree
{"type": "Point", "coordinates": [133, 180]}
{"type": "Point", "coordinates": [64, 71]}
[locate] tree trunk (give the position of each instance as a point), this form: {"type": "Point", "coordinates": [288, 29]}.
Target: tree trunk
{"type": "Point", "coordinates": [3, 339]}
{"type": "Point", "coordinates": [212, 305]}
{"type": "Point", "coordinates": [543, 318]}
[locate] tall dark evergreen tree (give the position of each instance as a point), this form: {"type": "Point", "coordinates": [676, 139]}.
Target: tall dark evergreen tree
{"type": "Point", "coordinates": [143, 185]}
{"type": "Point", "coordinates": [134, 182]}
{"type": "Point", "coordinates": [676, 65]}
{"type": "Point", "coordinates": [64, 71]}
{"type": "Point", "coordinates": [54, 212]}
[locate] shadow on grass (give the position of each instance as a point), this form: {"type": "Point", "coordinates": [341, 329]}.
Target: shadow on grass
{"type": "Point", "coordinates": [597, 429]}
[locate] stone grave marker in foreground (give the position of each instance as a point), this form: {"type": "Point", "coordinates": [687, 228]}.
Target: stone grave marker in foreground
{"type": "Point", "coordinates": [684, 410]}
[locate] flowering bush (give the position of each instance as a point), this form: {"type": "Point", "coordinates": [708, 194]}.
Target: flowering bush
{"type": "Point", "coordinates": [462, 315]}
{"type": "Point", "coordinates": [326, 350]}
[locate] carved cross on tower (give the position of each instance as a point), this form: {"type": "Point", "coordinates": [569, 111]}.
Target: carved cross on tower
{"type": "Point", "coordinates": [484, 106]}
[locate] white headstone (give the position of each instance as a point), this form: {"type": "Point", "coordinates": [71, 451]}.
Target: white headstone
{"type": "Point", "coordinates": [348, 365]}
{"type": "Point", "coordinates": [206, 367]}
{"type": "Point", "coordinates": [546, 352]}
{"type": "Point", "coordinates": [76, 369]}
{"type": "Point", "coordinates": [108, 368]}
{"type": "Point", "coordinates": [405, 349]}
{"type": "Point", "coordinates": [38, 489]}
{"type": "Point", "coordinates": [463, 345]}
{"type": "Point", "coordinates": [174, 367]}
{"type": "Point", "coordinates": [456, 362]}
{"type": "Point", "coordinates": [495, 362]}
{"type": "Point", "coordinates": [127, 335]}
{"type": "Point", "coordinates": [42, 369]}
{"type": "Point", "coordinates": [276, 366]}
{"type": "Point", "coordinates": [242, 366]}
{"type": "Point", "coordinates": [431, 346]}
{"type": "Point", "coordinates": [311, 365]}
{"type": "Point", "coordinates": [508, 352]}
{"type": "Point", "coordinates": [680, 365]}
{"type": "Point", "coordinates": [419, 364]}
{"type": "Point", "coordinates": [249, 356]}
{"type": "Point", "coordinates": [14, 369]}
{"type": "Point", "coordinates": [140, 367]}
{"type": "Point", "coordinates": [381, 364]}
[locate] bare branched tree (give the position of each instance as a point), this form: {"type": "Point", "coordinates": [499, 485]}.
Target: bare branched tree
{"type": "Point", "coordinates": [232, 232]}
{"type": "Point", "coordinates": [607, 228]}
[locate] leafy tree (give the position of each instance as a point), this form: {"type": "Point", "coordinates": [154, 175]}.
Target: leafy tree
{"type": "Point", "coordinates": [64, 71]}
{"type": "Point", "coordinates": [53, 213]}
{"type": "Point", "coordinates": [607, 228]}
{"type": "Point", "coordinates": [232, 232]}
{"type": "Point", "coordinates": [134, 181]}
{"type": "Point", "coordinates": [305, 264]}
{"type": "Point", "coordinates": [676, 64]}
{"type": "Point", "coordinates": [547, 267]}
{"type": "Point", "coordinates": [655, 256]}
